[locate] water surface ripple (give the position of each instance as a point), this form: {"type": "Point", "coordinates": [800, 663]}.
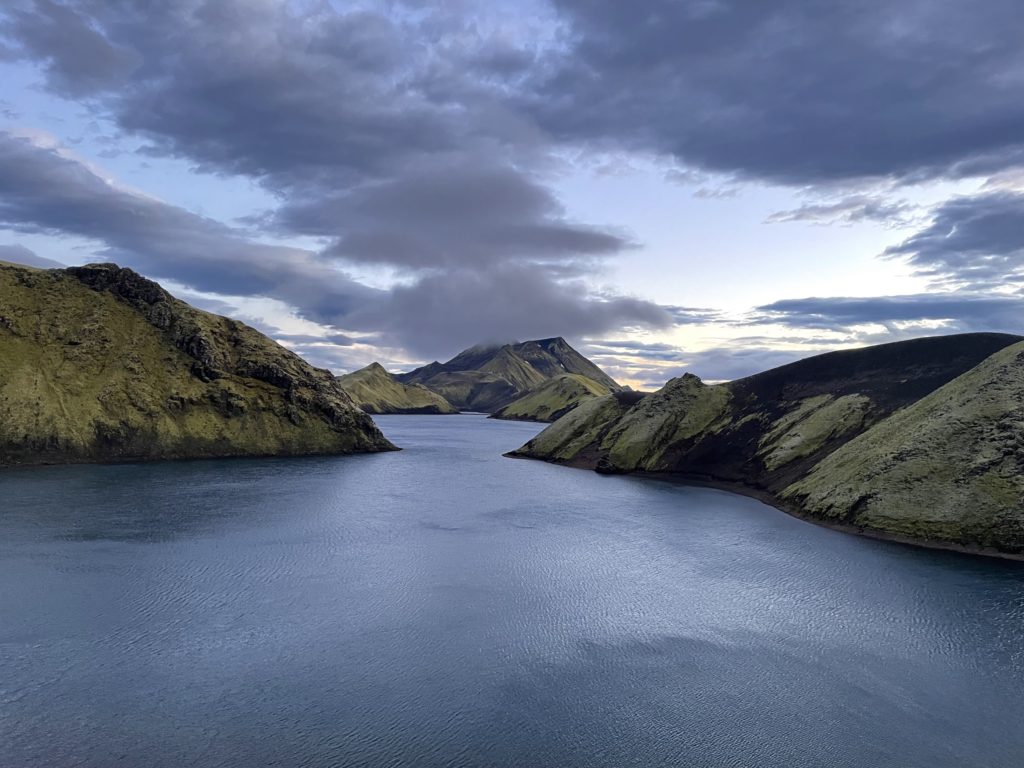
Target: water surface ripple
{"type": "Point", "coordinates": [445, 606]}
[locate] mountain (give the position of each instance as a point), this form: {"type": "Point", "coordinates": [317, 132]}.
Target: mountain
{"type": "Point", "coordinates": [101, 364]}
{"type": "Point", "coordinates": [376, 391]}
{"type": "Point", "coordinates": [833, 438]}
{"type": "Point", "coordinates": [488, 377]}
{"type": "Point", "coordinates": [552, 399]}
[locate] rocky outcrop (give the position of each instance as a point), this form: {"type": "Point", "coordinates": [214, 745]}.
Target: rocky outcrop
{"type": "Point", "coordinates": [489, 377]}
{"type": "Point", "coordinates": [376, 391]}
{"type": "Point", "coordinates": [888, 440]}
{"type": "Point", "coordinates": [552, 399]}
{"type": "Point", "coordinates": [101, 364]}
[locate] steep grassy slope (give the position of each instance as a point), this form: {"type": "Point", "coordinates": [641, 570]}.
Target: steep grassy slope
{"type": "Point", "coordinates": [769, 431]}
{"type": "Point", "coordinates": [949, 468]}
{"type": "Point", "coordinates": [100, 364]}
{"type": "Point", "coordinates": [487, 378]}
{"type": "Point", "coordinates": [376, 391]}
{"type": "Point", "coordinates": [552, 399]}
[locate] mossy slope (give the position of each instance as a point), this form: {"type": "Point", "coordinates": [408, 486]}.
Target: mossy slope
{"type": "Point", "coordinates": [768, 432]}
{"type": "Point", "coordinates": [376, 391]}
{"type": "Point", "coordinates": [949, 468]}
{"type": "Point", "coordinates": [552, 399]}
{"type": "Point", "coordinates": [488, 378]}
{"type": "Point", "coordinates": [100, 364]}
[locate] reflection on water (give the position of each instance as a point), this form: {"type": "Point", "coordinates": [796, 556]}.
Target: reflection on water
{"type": "Point", "coordinates": [446, 606]}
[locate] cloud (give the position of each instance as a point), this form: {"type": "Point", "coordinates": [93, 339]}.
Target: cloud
{"type": "Point", "coordinates": [78, 58]}
{"type": "Point", "coordinates": [974, 241]}
{"type": "Point", "coordinates": [853, 209]}
{"type": "Point", "coordinates": [461, 212]}
{"type": "Point", "coordinates": [19, 254]}
{"type": "Point", "coordinates": [793, 92]}
{"type": "Point", "coordinates": [443, 313]}
{"type": "Point", "coordinates": [955, 311]}
{"type": "Point", "coordinates": [45, 189]}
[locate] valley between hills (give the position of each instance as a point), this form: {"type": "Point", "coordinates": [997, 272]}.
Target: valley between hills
{"type": "Point", "coordinates": [919, 441]}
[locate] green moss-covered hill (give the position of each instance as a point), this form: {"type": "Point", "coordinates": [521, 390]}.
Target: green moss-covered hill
{"type": "Point", "coordinates": [487, 378]}
{"type": "Point", "coordinates": [100, 364]}
{"type": "Point", "coordinates": [949, 468]}
{"type": "Point", "coordinates": [553, 399]}
{"type": "Point", "coordinates": [871, 438]}
{"type": "Point", "coordinates": [376, 391]}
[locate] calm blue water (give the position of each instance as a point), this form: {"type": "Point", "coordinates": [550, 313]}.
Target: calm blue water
{"type": "Point", "coordinates": [447, 606]}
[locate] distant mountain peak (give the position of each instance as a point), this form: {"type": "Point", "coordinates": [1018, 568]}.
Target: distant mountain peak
{"type": "Point", "coordinates": [487, 376]}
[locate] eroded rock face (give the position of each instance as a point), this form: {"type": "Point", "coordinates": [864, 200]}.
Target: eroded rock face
{"type": "Point", "coordinates": [102, 364]}
{"type": "Point", "coordinates": [899, 439]}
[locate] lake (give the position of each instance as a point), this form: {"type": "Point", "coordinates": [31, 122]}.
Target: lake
{"type": "Point", "coordinates": [446, 606]}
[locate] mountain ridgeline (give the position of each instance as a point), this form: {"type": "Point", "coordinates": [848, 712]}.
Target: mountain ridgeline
{"type": "Point", "coordinates": [921, 440]}
{"type": "Point", "coordinates": [532, 381]}
{"type": "Point", "coordinates": [101, 364]}
{"type": "Point", "coordinates": [376, 391]}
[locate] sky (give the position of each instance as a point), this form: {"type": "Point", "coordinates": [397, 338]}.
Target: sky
{"type": "Point", "coordinates": [713, 186]}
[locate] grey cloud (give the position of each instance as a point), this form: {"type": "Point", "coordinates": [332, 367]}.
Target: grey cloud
{"type": "Point", "coordinates": [973, 241]}
{"type": "Point", "coordinates": [457, 309]}
{"type": "Point", "coordinates": [19, 254]}
{"type": "Point", "coordinates": [716, 364]}
{"type": "Point", "coordinates": [852, 209]}
{"type": "Point", "coordinates": [614, 351]}
{"type": "Point", "coordinates": [959, 311]}
{"type": "Point", "coordinates": [79, 59]}
{"type": "Point", "coordinates": [459, 213]}
{"type": "Point", "coordinates": [43, 189]}
{"type": "Point", "coordinates": [735, 362]}
{"type": "Point", "coordinates": [794, 91]}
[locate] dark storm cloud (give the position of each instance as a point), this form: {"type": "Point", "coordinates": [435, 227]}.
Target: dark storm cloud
{"type": "Point", "coordinates": [794, 91]}
{"type": "Point", "coordinates": [975, 241]}
{"type": "Point", "coordinates": [960, 311]}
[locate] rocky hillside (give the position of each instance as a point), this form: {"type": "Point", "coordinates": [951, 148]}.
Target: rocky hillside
{"type": "Point", "coordinates": [553, 399]}
{"type": "Point", "coordinates": [487, 378]}
{"type": "Point", "coordinates": [100, 364]}
{"type": "Point", "coordinates": [376, 391]}
{"type": "Point", "coordinates": [780, 433]}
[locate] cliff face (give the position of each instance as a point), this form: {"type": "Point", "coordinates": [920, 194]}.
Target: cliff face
{"type": "Point", "coordinates": [552, 399]}
{"type": "Point", "coordinates": [101, 364]}
{"type": "Point", "coordinates": [488, 378]}
{"type": "Point", "coordinates": [783, 432]}
{"type": "Point", "coordinates": [376, 391]}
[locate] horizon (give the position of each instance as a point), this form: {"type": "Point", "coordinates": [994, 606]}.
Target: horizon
{"type": "Point", "coordinates": [711, 187]}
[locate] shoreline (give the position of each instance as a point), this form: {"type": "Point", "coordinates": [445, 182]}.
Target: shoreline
{"type": "Point", "coordinates": [765, 497]}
